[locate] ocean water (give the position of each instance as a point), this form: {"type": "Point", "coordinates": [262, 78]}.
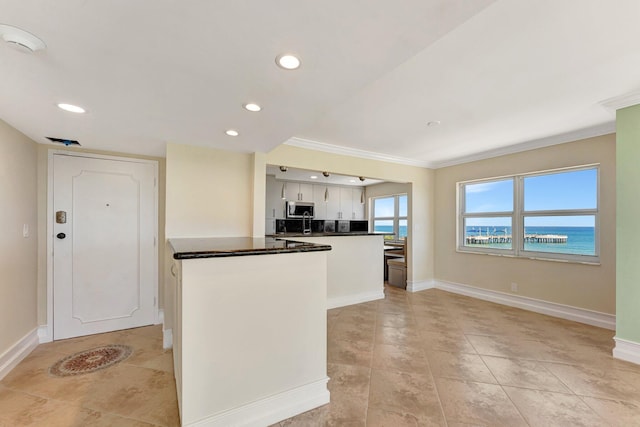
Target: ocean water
{"type": "Point", "coordinates": [580, 240]}
{"type": "Point", "coordinates": [389, 229]}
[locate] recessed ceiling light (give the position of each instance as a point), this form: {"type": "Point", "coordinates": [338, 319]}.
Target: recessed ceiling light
{"type": "Point", "coordinates": [71, 108]}
{"type": "Point", "coordinates": [288, 61]}
{"type": "Point", "coordinates": [313, 177]}
{"type": "Point", "coordinates": [232, 132]}
{"type": "Point", "coordinates": [252, 107]}
{"type": "Point", "coordinates": [434, 123]}
{"type": "Point", "coordinates": [21, 39]}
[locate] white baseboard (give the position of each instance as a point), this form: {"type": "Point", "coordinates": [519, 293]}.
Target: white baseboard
{"type": "Point", "coordinates": [17, 352]}
{"type": "Point", "coordinates": [594, 318]}
{"type": "Point", "coordinates": [627, 350]}
{"type": "Point", "coordinates": [420, 285]}
{"type": "Point", "coordinates": [45, 334]}
{"type": "Point", "coordinates": [272, 409]}
{"type": "Point", "coordinates": [167, 339]}
{"type": "Point", "coordinates": [355, 299]}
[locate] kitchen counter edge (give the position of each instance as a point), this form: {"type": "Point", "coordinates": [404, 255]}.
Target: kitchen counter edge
{"type": "Point", "coordinates": [194, 248]}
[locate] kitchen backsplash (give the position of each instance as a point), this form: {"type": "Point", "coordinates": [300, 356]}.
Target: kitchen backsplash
{"type": "Point", "coordinates": [321, 226]}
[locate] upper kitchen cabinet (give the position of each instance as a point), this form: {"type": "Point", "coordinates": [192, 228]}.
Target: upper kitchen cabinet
{"type": "Point", "coordinates": [274, 202]}
{"type": "Point", "coordinates": [356, 203]}
{"type": "Point", "coordinates": [318, 200]}
{"type": "Point", "coordinates": [346, 203]}
{"type": "Point", "coordinates": [333, 202]}
{"type": "Point", "coordinates": [342, 203]}
{"type": "Point", "coordinates": [299, 192]}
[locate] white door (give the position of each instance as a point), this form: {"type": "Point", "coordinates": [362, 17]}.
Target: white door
{"type": "Point", "coordinates": [104, 254]}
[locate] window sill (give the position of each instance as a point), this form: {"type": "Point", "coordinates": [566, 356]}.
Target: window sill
{"type": "Point", "coordinates": [531, 257]}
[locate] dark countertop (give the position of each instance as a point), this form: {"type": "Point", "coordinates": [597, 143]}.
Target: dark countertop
{"type": "Point", "coordinates": [323, 234]}
{"type": "Point", "coordinates": [212, 247]}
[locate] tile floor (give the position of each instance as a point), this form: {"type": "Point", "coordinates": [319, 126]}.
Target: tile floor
{"type": "Point", "coordinates": [434, 358]}
{"type": "Point", "coordinates": [137, 392]}
{"type": "Point", "coordinates": [422, 359]}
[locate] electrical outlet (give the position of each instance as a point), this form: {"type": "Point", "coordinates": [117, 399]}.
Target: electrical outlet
{"type": "Point", "coordinates": [514, 287]}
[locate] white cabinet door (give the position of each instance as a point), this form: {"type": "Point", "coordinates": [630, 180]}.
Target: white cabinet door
{"type": "Point", "coordinates": [346, 203]}
{"type": "Point", "coordinates": [318, 200]}
{"type": "Point", "coordinates": [358, 207]}
{"type": "Point", "coordinates": [333, 203]}
{"type": "Point", "coordinates": [274, 203]}
{"type": "Point", "coordinates": [305, 193]}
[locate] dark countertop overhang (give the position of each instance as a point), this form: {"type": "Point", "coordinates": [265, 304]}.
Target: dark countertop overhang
{"type": "Point", "coordinates": [212, 247]}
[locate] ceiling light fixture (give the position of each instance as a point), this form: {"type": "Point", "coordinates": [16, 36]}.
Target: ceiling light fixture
{"type": "Point", "coordinates": [20, 39]}
{"type": "Point", "coordinates": [361, 178]}
{"type": "Point", "coordinates": [252, 107]}
{"type": "Point", "coordinates": [72, 108]}
{"type": "Point", "coordinates": [288, 61]}
{"type": "Point", "coordinates": [325, 174]}
{"type": "Point", "coordinates": [283, 168]}
{"type": "Point", "coordinates": [232, 132]}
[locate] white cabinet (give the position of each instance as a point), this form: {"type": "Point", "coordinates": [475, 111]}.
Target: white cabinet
{"type": "Point", "coordinates": [333, 203]}
{"type": "Point", "coordinates": [357, 206]}
{"type": "Point", "coordinates": [274, 203]}
{"type": "Point", "coordinates": [342, 203]}
{"type": "Point", "coordinates": [299, 192]}
{"type": "Point", "coordinates": [346, 202]}
{"type": "Point", "coordinates": [318, 200]}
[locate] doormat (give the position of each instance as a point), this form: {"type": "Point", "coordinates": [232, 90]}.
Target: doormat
{"type": "Point", "coordinates": [91, 360]}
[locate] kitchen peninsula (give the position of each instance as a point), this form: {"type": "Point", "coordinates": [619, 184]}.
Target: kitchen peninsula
{"type": "Point", "coordinates": [355, 265]}
{"type": "Point", "coordinates": [250, 329]}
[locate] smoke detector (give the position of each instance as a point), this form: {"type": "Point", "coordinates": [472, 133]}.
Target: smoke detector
{"type": "Point", "coordinates": [20, 39]}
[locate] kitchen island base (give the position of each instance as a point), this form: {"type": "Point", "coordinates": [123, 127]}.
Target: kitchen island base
{"type": "Point", "coordinates": [355, 267]}
{"type": "Point", "coordinates": [250, 337]}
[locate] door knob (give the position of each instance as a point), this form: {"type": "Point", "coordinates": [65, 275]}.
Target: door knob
{"type": "Point", "coordinates": [61, 235]}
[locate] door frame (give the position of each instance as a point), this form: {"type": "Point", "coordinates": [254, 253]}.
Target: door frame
{"type": "Point", "coordinates": [48, 335]}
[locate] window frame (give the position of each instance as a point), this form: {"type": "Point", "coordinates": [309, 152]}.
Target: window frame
{"type": "Point", "coordinates": [518, 215]}
{"type": "Point", "coordinates": [396, 218]}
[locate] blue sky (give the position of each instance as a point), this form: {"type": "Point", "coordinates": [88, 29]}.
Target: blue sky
{"type": "Point", "coordinates": [566, 190]}
{"type": "Point", "coordinates": [384, 207]}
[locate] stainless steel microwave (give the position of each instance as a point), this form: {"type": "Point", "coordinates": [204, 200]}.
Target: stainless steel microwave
{"type": "Point", "coordinates": [300, 209]}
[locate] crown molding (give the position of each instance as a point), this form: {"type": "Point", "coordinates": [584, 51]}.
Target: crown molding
{"type": "Point", "coordinates": [590, 132]}
{"type": "Point", "coordinates": [353, 152]}
{"type": "Point", "coordinates": [622, 101]}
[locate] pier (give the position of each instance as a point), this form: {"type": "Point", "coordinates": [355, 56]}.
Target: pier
{"type": "Point", "coordinates": [528, 238]}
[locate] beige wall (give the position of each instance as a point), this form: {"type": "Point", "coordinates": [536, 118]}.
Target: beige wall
{"type": "Point", "coordinates": [209, 192]}
{"type": "Point", "coordinates": [43, 174]}
{"type": "Point", "coordinates": [18, 255]}
{"type": "Point", "coordinates": [420, 248]}
{"type": "Point", "coordinates": [578, 285]}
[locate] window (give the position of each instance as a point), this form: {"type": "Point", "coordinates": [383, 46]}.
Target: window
{"type": "Point", "coordinates": [390, 216]}
{"type": "Point", "coordinates": [551, 215]}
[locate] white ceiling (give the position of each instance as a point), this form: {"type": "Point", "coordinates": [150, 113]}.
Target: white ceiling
{"type": "Point", "coordinates": [499, 75]}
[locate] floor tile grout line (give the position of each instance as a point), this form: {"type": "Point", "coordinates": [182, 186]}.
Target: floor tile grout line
{"type": "Point", "coordinates": [76, 404]}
